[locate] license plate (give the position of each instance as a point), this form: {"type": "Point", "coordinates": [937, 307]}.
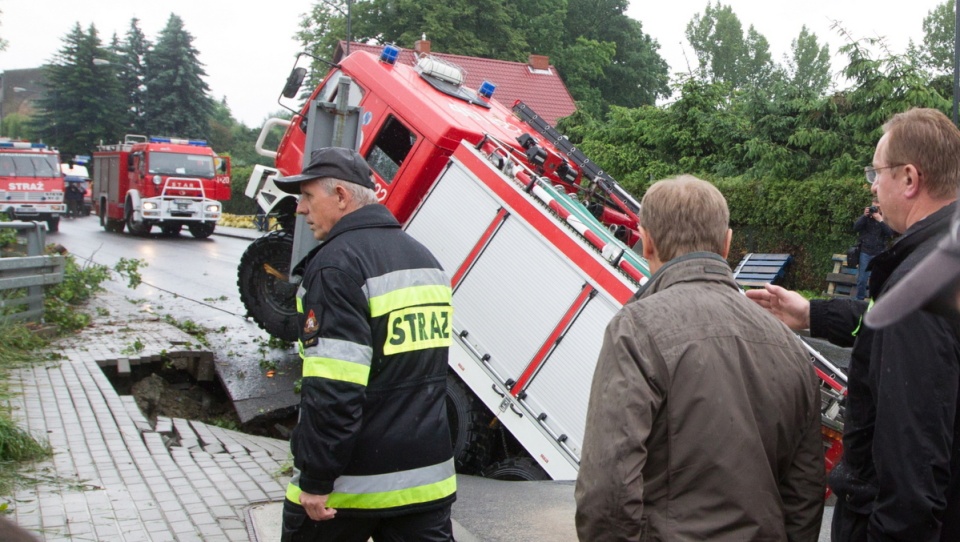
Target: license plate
{"type": "Point", "coordinates": [26, 211]}
{"type": "Point", "coordinates": [183, 206]}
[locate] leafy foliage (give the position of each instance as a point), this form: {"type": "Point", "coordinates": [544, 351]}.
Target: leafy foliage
{"type": "Point", "coordinates": [132, 74]}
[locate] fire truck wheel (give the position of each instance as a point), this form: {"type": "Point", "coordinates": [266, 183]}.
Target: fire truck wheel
{"type": "Point", "coordinates": [269, 299]}
{"type": "Point", "coordinates": [141, 228]}
{"type": "Point", "coordinates": [470, 429]}
{"type": "Point", "coordinates": [516, 469]}
{"type": "Point", "coordinates": [202, 230]}
{"type": "Point", "coordinates": [53, 224]}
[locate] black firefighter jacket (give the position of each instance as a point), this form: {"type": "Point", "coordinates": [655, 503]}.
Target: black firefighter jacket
{"type": "Point", "coordinates": [901, 462]}
{"type": "Point", "coordinates": [375, 322]}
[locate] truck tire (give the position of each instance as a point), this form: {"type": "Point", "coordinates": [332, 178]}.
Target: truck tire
{"type": "Point", "coordinates": [53, 224]}
{"type": "Point", "coordinates": [516, 469]}
{"type": "Point", "coordinates": [201, 230]}
{"type": "Point", "coordinates": [269, 300]}
{"type": "Point", "coordinates": [141, 228]}
{"type": "Point", "coordinates": [470, 431]}
{"type": "Point", "coordinates": [109, 224]}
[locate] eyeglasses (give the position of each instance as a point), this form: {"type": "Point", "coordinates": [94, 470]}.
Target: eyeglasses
{"type": "Point", "coordinates": [871, 172]}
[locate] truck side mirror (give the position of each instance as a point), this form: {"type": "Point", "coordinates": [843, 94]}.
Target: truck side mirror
{"type": "Point", "coordinates": [294, 80]}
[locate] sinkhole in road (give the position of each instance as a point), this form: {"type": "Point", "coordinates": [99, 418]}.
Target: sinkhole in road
{"type": "Point", "coordinates": [184, 386]}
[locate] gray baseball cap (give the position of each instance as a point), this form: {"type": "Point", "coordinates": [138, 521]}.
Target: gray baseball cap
{"type": "Point", "coordinates": [932, 285]}
{"type": "Point", "coordinates": [336, 162]}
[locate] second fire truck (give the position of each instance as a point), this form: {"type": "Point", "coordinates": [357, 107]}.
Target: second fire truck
{"type": "Point", "coordinates": [160, 181]}
{"type": "Point", "coordinates": [31, 186]}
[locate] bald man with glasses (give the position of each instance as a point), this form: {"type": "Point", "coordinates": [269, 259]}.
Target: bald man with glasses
{"type": "Point", "coordinates": [899, 478]}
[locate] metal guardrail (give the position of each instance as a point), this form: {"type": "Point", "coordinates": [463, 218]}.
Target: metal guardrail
{"type": "Point", "coordinates": [31, 272]}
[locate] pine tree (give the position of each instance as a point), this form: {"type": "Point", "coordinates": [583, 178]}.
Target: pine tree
{"type": "Point", "coordinates": [130, 57]}
{"type": "Point", "coordinates": [177, 101]}
{"type": "Point", "coordinates": [79, 108]}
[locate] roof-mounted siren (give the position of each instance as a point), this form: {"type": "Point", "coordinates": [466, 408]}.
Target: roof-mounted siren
{"type": "Point", "coordinates": [438, 69]}
{"type": "Point", "coordinates": [178, 141]}
{"type": "Point", "coordinates": [487, 89]}
{"type": "Point", "coordinates": [389, 54]}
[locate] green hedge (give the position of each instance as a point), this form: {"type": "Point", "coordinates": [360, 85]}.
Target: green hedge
{"type": "Point", "coordinates": [239, 204]}
{"type": "Point", "coordinates": [811, 220]}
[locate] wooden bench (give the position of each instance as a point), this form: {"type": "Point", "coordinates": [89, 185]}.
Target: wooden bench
{"type": "Point", "coordinates": [755, 270]}
{"type": "Point", "coordinates": [842, 282]}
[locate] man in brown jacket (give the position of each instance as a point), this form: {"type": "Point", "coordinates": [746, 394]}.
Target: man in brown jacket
{"type": "Point", "coordinates": [704, 420]}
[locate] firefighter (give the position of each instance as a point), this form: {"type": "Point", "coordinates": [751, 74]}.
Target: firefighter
{"type": "Point", "coordinates": [372, 451]}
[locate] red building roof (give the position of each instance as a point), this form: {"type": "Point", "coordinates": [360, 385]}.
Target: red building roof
{"type": "Point", "coordinates": [541, 89]}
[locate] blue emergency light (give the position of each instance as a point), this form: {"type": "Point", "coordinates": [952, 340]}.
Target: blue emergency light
{"type": "Point", "coordinates": [487, 89]}
{"type": "Point", "coordinates": [175, 141]}
{"type": "Point", "coordinates": [81, 159]}
{"type": "Point", "coordinates": [389, 54]}
{"type": "Point", "coordinates": [22, 145]}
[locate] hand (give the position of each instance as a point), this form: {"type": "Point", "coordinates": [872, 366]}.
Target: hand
{"type": "Point", "coordinates": [866, 211]}
{"type": "Point", "coordinates": [878, 216]}
{"type": "Point", "coordinates": [316, 506]}
{"type": "Point", "coordinates": [789, 307]}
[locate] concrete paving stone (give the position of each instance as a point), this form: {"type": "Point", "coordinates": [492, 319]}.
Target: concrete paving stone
{"type": "Point", "coordinates": [155, 526]}
{"type": "Point", "coordinates": [210, 530]}
{"type": "Point", "coordinates": [190, 499]}
{"type": "Point", "coordinates": [237, 535]}
{"type": "Point", "coordinates": [202, 516]}
{"type": "Point", "coordinates": [175, 516]}
{"type": "Point", "coordinates": [151, 514]}
{"type": "Point", "coordinates": [52, 521]}
{"type": "Point", "coordinates": [107, 532]}
{"type": "Point", "coordinates": [81, 530]}
{"type": "Point", "coordinates": [223, 511]}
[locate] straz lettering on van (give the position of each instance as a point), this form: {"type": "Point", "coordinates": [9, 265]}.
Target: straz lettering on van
{"type": "Point", "coordinates": [418, 328]}
{"type": "Point", "coordinates": [27, 186]}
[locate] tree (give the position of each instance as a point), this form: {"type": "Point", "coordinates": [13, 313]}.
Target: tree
{"type": "Point", "coordinates": [808, 67]}
{"type": "Point", "coordinates": [132, 74]}
{"type": "Point", "coordinates": [3, 42]}
{"type": "Point", "coordinates": [936, 52]}
{"type": "Point", "coordinates": [79, 107]}
{"type": "Point", "coordinates": [724, 54]}
{"type": "Point", "coordinates": [637, 74]}
{"type": "Point", "coordinates": [177, 102]}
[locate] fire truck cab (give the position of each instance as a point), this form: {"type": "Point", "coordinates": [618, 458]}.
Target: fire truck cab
{"type": "Point", "coordinates": [160, 181]}
{"type": "Point", "coordinates": [31, 186]}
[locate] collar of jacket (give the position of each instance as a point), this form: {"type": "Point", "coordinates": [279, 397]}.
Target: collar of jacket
{"type": "Point", "coordinates": [369, 216]}
{"type": "Point", "coordinates": [883, 264]}
{"type": "Point", "coordinates": [692, 267]}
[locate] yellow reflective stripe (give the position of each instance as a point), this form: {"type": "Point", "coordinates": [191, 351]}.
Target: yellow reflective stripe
{"type": "Point", "coordinates": [860, 323]}
{"type": "Point", "coordinates": [418, 328]}
{"type": "Point", "coordinates": [395, 498]}
{"type": "Point", "coordinates": [293, 493]}
{"type": "Point", "coordinates": [301, 291]}
{"type": "Point", "coordinates": [433, 294]}
{"type": "Point", "coordinates": [336, 369]}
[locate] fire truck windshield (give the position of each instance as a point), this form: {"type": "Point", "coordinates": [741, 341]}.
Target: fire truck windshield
{"type": "Point", "coordinates": [172, 163]}
{"type": "Point", "coordinates": [29, 165]}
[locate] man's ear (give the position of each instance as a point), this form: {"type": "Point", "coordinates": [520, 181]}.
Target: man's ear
{"type": "Point", "coordinates": [649, 246]}
{"type": "Point", "coordinates": [726, 244]}
{"type": "Point", "coordinates": [911, 185]}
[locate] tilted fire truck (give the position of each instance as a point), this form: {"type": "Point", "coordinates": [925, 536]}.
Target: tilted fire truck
{"type": "Point", "coordinates": [535, 236]}
{"type": "Point", "coordinates": [159, 181]}
{"type": "Point", "coordinates": [31, 186]}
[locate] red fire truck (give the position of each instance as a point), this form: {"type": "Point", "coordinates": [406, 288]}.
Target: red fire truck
{"type": "Point", "coordinates": [31, 186]}
{"type": "Point", "coordinates": [536, 237]}
{"type": "Point", "coordinates": [159, 181]}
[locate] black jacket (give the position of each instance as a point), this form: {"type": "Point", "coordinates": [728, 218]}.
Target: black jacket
{"type": "Point", "coordinates": [375, 322]}
{"type": "Point", "coordinates": [901, 462]}
{"type": "Point", "coordinates": [873, 235]}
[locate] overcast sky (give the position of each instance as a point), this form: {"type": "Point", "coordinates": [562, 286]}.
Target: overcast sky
{"type": "Point", "coordinates": [248, 47]}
